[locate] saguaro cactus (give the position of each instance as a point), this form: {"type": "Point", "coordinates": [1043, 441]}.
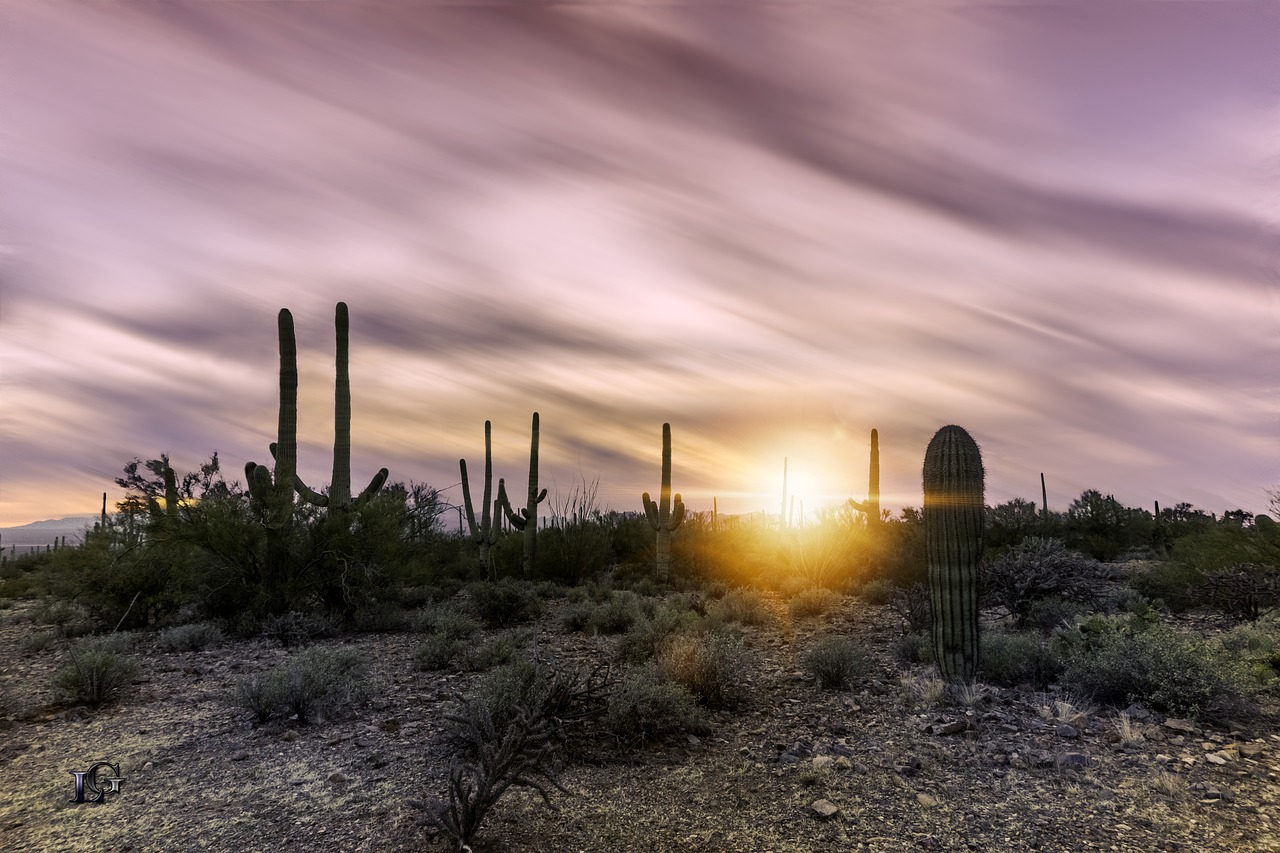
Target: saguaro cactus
{"type": "Point", "coordinates": [484, 534]}
{"type": "Point", "coordinates": [274, 489]}
{"type": "Point", "coordinates": [663, 517]}
{"type": "Point", "coordinates": [953, 506]}
{"type": "Point", "coordinates": [339, 497]}
{"type": "Point", "coordinates": [526, 520]}
{"type": "Point", "coordinates": [871, 506]}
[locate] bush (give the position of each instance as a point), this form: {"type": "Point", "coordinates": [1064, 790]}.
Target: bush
{"type": "Point", "coordinates": [1018, 658]}
{"type": "Point", "coordinates": [496, 652]}
{"type": "Point", "coordinates": [576, 617]}
{"type": "Point", "coordinates": [1170, 671]}
{"type": "Point", "coordinates": [1244, 590]}
{"type": "Point", "coordinates": [710, 666]}
{"type": "Point", "coordinates": [295, 629]}
{"type": "Point", "coordinates": [315, 681]}
{"type": "Point", "coordinates": [189, 638]}
{"type": "Point", "coordinates": [1175, 584]}
{"type": "Point", "coordinates": [915, 647]}
{"type": "Point", "coordinates": [447, 623]}
{"type": "Point", "coordinates": [837, 662]}
{"type": "Point", "coordinates": [617, 614]}
{"type": "Point", "coordinates": [745, 606]}
{"type": "Point", "coordinates": [646, 706]}
{"type": "Point", "coordinates": [38, 641]}
{"type": "Point", "coordinates": [877, 592]}
{"type": "Point", "coordinates": [813, 602]}
{"type": "Point", "coordinates": [95, 673]}
{"type": "Point", "coordinates": [503, 604]}
{"type": "Point", "coordinates": [1039, 569]}
{"type": "Point", "coordinates": [912, 604]}
{"type": "Point", "coordinates": [436, 652]}
{"type": "Point", "coordinates": [647, 636]}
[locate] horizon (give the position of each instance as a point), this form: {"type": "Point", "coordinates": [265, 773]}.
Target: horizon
{"type": "Point", "coordinates": [775, 229]}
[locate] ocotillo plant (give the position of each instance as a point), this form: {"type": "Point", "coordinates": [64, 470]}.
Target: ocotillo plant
{"type": "Point", "coordinates": [484, 534]}
{"type": "Point", "coordinates": [871, 506]}
{"type": "Point", "coordinates": [526, 519]}
{"type": "Point", "coordinates": [953, 506]}
{"type": "Point", "coordinates": [339, 497]}
{"type": "Point", "coordinates": [663, 517]}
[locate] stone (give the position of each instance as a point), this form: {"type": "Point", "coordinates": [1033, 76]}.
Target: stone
{"type": "Point", "coordinates": [954, 727]}
{"type": "Point", "coordinates": [1215, 758]}
{"type": "Point", "coordinates": [1067, 731]}
{"type": "Point", "coordinates": [337, 776]}
{"type": "Point", "coordinates": [824, 809]}
{"type": "Point", "coordinates": [823, 762]}
{"type": "Point", "coordinates": [1072, 761]}
{"type": "Point", "coordinates": [1184, 726]}
{"type": "Point", "coordinates": [926, 800]}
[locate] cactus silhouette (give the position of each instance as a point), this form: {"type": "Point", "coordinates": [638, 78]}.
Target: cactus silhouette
{"type": "Point", "coordinates": [871, 506]}
{"type": "Point", "coordinates": [484, 534]}
{"type": "Point", "coordinates": [663, 517]}
{"type": "Point", "coordinates": [526, 520]}
{"type": "Point", "coordinates": [273, 490]}
{"type": "Point", "coordinates": [953, 507]}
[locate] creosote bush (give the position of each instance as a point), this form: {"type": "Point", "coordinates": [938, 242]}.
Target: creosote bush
{"type": "Point", "coordinates": [710, 665]}
{"type": "Point", "coordinates": [190, 638]}
{"type": "Point", "coordinates": [648, 706]}
{"type": "Point", "coordinates": [315, 681]}
{"type": "Point", "coordinates": [96, 671]}
{"type": "Point", "coordinates": [813, 602]}
{"type": "Point", "coordinates": [837, 662]}
{"type": "Point", "coordinates": [743, 605]}
{"type": "Point", "coordinates": [505, 603]}
{"type": "Point", "coordinates": [1011, 659]}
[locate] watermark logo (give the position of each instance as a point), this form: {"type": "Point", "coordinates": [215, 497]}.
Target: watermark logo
{"type": "Point", "coordinates": [94, 784]}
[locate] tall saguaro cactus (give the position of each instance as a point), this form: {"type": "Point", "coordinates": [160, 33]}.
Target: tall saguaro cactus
{"type": "Point", "coordinates": [339, 497]}
{"type": "Point", "coordinates": [484, 534]}
{"type": "Point", "coordinates": [526, 520]}
{"type": "Point", "coordinates": [871, 506]}
{"type": "Point", "coordinates": [274, 489]}
{"type": "Point", "coordinates": [953, 507]}
{"type": "Point", "coordinates": [663, 517]}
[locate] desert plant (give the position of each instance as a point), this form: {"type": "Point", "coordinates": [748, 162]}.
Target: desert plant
{"type": "Point", "coordinates": [314, 681]}
{"type": "Point", "coordinates": [526, 519]}
{"type": "Point", "coordinates": [1038, 569]}
{"type": "Point", "coordinates": [189, 638]}
{"type": "Point", "coordinates": [436, 652]}
{"type": "Point", "coordinates": [711, 666]}
{"type": "Point", "coordinates": [877, 592]}
{"type": "Point", "coordinates": [647, 636]}
{"type": "Point", "coordinates": [506, 603]}
{"type": "Point", "coordinates": [447, 622]}
{"type": "Point", "coordinates": [295, 628]}
{"type": "Point", "coordinates": [837, 662]}
{"type": "Point", "coordinates": [953, 507]}
{"type": "Point", "coordinates": [1012, 659]}
{"type": "Point", "coordinates": [912, 604]}
{"type": "Point", "coordinates": [871, 506]}
{"type": "Point", "coordinates": [495, 652]}
{"type": "Point", "coordinates": [664, 516]}
{"type": "Point", "coordinates": [743, 605]}
{"type": "Point", "coordinates": [617, 614]}
{"type": "Point", "coordinates": [915, 647]}
{"type": "Point", "coordinates": [38, 641]}
{"type": "Point", "coordinates": [647, 706]}
{"type": "Point", "coordinates": [95, 672]}
{"type": "Point", "coordinates": [1244, 590]}
{"type": "Point", "coordinates": [485, 533]}
{"type": "Point", "coordinates": [813, 602]}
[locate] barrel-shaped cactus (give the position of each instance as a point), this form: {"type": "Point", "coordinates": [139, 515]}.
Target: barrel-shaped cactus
{"type": "Point", "coordinates": [664, 516]}
{"type": "Point", "coordinates": [953, 507]}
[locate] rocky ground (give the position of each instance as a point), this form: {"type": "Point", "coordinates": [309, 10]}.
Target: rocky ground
{"type": "Point", "coordinates": [795, 769]}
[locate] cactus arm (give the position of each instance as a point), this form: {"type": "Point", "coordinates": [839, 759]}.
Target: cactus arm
{"type": "Point", "coordinates": [466, 501]}
{"type": "Point", "coordinates": [517, 519]}
{"type": "Point", "coordinates": [677, 514]}
{"type": "Point", "coordinates": [542, 496]}
{"type": "Point", "coordinates": [650, 511]}
{"type": "Point", "coordinates": [379, 480]}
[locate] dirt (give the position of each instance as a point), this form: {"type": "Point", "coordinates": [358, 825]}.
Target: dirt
{"type": "Point", "coordinates": [795, 769]}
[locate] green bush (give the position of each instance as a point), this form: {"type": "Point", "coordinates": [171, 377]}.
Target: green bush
{"type": "Point", "coordinates": [503, 604]}
{"type": "Point", "coordinates": [647, 706]}
{"type": "Point", "coordinates": [1011, 659]}
{"type": "Point", "coordinates": [837, 662]}
{"type": "Point", "coordinates": [1036, 570]}
{"type": "Point", "coordinates": [617, 614]}
{"type": "Point", "coordinates": [576, 617]}
{"type": "Point", "coordinates": [38, 641]}
{"type": "Point", "coordinates": [647, 636]}
{"type": "Point", "coordinates": [1168, 670]}
{"type": "Point", "coordinates": [315, 681]}
{"type": "Point", "coordinates": [742, 605]}
{"type": "Point", "coordinates": [1175, 584]}
{"type": "Point", "coordinates": [877, 592]}
{"type": "Point", "coordinates": [189, 638]}
{"type": "Point", "coordinates": [448, 623]}
{"type": "Point", "coordinates": [813, 602]}
{"type": "Point", "coordinates": [915, 647]}
{"type": "Point", "coordinates": [496, 652]}
{"type": "Point", "coordinates": [95, 673]}
{"type": "Point", "coordinates": [295, 629]}
{"type": "Point", "coordinates": [711, 666]}
{"type": "Point", "coordinates": [436, 652]}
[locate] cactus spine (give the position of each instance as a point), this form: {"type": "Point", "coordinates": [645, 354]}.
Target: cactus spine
{"type": "Point", "coordinates": [953, 507]}
{"type": "Point", "coordinates": [871, 506]}
{"type": "Point", "coordinates": [484, 534]}
{"type": "Point", "coordinates": [663, 517]}
{"type": "Point", "coordinates": [527, 519]}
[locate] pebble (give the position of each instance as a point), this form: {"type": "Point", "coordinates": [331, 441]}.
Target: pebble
{"type": "Point", "coordinates": [824, 809]}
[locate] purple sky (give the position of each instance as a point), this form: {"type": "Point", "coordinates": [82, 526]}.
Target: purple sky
{"type": "Point", "coordinates": [774, 225]}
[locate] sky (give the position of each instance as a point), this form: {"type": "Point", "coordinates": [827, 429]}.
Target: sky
{"type": "Point", "coordinates": [774, 225]}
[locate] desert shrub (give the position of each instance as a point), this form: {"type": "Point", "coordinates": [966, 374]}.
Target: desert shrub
{"type": "Point", "coordinates": [549, 590]}
{"type": "Point", "coordinates": [647, 706]}
{"type": "Point", "coordinates": [912, 604]}
{"type": "Point", "coordinates": [495, 652]}
{"type": "Point", "coordinates": [1256, 646]}
{"type": "Point", "coordinates": [1244, 590]}
{"type": "Point", "coordinates": [1172, 583]}
{"type": "Point", "coordinates": [575, 617]}
{"type": "Point", "coordinates": [38, 641]}
{"type": "Point", "coordinates": [837, 662]}
{"type": "Point", "coordinates": [742, 605]}
{"type": "Point", "coordinates": [617, 614]}
{"type": "Point", "coordinates": [1048, 613]}
{"type": "Point", "coordinates": [315, 681]}
{"type": "Point", "coordinates": [915, 647]}
{"type": "Point", "coordinates": [95, 672]}
{"type": "Point", "coordinates": [295, 628]}
{"type": "Point", "coordinates": [647, 635]}
{"type": "Point", "coordinates": [1120, 661]}
{"type": "Point", "coordinates": [877, 592]}
{"type": "Point", "coordinates": [377, 617]}
{"type": "Point", "coordinates": [503, 604]}
{"type": "Point", "coordinates": [711, 666]}
{"type": "Point", "coordinates": [1038, 569]}
{"type": "Point", "coordinates": [1011, 659]}
{"type": "Point", "coordinates": [447, 622]}
{"type": "Point", "coordinates": [189, 638]}
{"type": "Point", "coordinates": [436, 652]}
{"type": "Point", "coordinates": [813, 602]}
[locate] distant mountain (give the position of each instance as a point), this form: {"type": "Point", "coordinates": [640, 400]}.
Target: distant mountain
{"type": "Point", "coordinates": [38, 534]}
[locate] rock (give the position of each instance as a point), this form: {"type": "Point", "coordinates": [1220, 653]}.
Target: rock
{"type": "Point", "coordinates": [337, 776]}
{"type": "Point", "coordinates": [1184, 726]}
{"type": "Point", "coordinates": [954, 727]}
{"type": "Point", "coordinates": [823, 762]}
{"type": "Point", "coordinates": [1250, 750]}
{"type": "Point", "coordinates": [240, 756]}
{"type": "Point", "coordinates": [1137, 712]}
{"type": "Point", "coordinates": [1072, 761]}
{"type": "Point", "coordinates": [926, 800]}
{"type": "Point", "coordinates": [1068, 732]}
{"type": "Point", "coordinates": [1215, 758]}
{"type": "Point", "coordinates": [824, 809]}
